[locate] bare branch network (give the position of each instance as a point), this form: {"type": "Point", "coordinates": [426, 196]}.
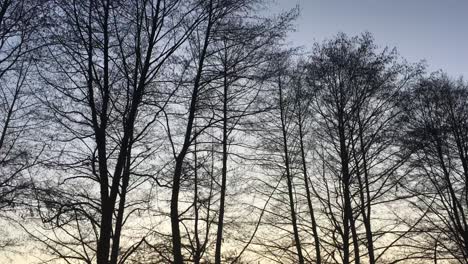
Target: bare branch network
{"type": "Point", "coordinates": [188, 131]}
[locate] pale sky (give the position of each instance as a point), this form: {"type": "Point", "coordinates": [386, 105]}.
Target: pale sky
{"type": "Point", "coordinates": [434, 30]}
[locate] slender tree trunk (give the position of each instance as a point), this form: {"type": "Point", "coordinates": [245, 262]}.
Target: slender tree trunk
{"type": "Point", "coordinates": [366, 203]}
{"type": "Point", "coordinates": [210, 196]}
{"type": "Point", "coordinates": [197, 255]}
{"type": "Point", "coordinates": [176, 238]}
{"type": "Point", "coordinates": [346, 194]}
{"type": "Point", "coordinates": [297, 240]}
{"type": "Point", "coordinates": [318, 257]}
{"type": "Point", "coordinates": [357, 257]}
{"type": "Point", "coordinates": [119, 221]}
{"type": "Point", "coordinates": [219, 236]}
{"type": "Point", "coordinates": [107, 208]}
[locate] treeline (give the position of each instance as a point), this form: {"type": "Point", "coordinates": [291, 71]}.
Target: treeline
{"type": "Point", "coordinates": [170, 131]}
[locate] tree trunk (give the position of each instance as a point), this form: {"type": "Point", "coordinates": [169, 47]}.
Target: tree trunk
{"type": "Point", "coordinates": [297, 240]}
{"type": "Point", "coordinates": [176, 238]}
{"type": "Point", "coordinates": [318, 257]}
{"type": "Point", "coordinates": [219, 235]}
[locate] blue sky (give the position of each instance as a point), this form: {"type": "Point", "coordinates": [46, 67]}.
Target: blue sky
{"type": "Point", "coordinates": [434, 30]}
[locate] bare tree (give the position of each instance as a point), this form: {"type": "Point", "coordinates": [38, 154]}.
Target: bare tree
{"type": "Point", "coordinates": [276, 131]}
{"type": "Point", "coordinates": [245, 50]}
{"type": "Point", "coordinates": [171, 131]}
{"type": "Point", "coordinates": [225, 52]}
{"type": "Point", "coordinates": [19, 149]}
{"type": "Point", "coordinates": [103, 101]}
{"type": "Point", "coordinates": [356, 89]}
{"type": "Point", "coordinates": [437, 113]}
{"type": "Point", "coordinates": [303, 115]}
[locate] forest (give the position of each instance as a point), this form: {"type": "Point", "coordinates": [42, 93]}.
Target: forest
{"type": "Point", "coordinates": [192, 131]}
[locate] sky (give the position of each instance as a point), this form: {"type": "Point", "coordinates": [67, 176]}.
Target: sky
{"type": "Point", "coordinates": [433, 30]}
